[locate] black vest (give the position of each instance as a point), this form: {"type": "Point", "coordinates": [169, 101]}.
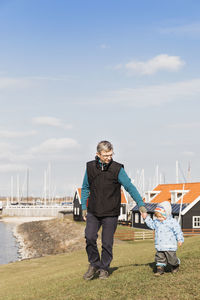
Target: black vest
{"type": "Point", "coordinates": [105, 190]}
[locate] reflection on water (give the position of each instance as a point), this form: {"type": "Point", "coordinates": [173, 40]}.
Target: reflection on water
{"type": "Point", "coordinates": [8, 244]}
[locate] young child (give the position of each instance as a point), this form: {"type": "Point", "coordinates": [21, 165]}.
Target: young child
{"type": "Point", "coordinates": [167, 234]}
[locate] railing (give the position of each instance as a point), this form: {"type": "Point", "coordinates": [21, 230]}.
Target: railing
{"type": "Point", "coordinates": [148, 235]}
{"type": "Point", "coordinates": [191, 232]}
{"type": "Point", "coordinates": [36, 210]}
{"type": "Point", "coordinates": [134, 235]}
{"type": "Point", "coordinates": [39, 206]}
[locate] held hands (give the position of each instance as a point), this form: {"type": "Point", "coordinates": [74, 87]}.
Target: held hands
{"type": "Point", "coordinates": [84, 214]}
{"type": "Point", "coordinates": [144, 215]}
{"type": "Point", "coordinates": [143, 212]}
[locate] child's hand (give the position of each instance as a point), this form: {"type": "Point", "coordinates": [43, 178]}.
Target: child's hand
{"type": "Point", "coordinates": [144, 215]}
{"type": "Point", "coordinates": [180, 244]}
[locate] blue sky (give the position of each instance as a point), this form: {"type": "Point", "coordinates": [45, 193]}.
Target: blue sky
{"type": "Point", "coordinates": [75, 72]}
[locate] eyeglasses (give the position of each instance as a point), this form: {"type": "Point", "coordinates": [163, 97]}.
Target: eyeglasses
{"type": "Point", "coordinates": [107, 155]}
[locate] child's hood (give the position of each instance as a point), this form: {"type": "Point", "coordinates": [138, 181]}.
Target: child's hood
{"type": "Point", "coordinates": [167, 207]}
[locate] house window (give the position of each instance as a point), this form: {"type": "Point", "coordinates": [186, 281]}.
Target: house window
{"type": "Point", "coordinates": [122, 210]}
{"type": "Point", "coordinates": [136, 217]}
{"type": "Point", "coordinates": [150, 195]}
{"type": "Point", "coordinates": [176, 195]}
{"type": "Point", "coordinates": [196, 222]}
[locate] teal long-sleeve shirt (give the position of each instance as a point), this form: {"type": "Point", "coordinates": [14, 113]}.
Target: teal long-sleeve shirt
{"type": "Point", "coordinates": [123, 179]}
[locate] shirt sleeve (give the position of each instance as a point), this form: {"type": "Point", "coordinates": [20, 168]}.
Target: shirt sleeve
{"type": "Point", "coordinates": [125, 181]}
{"type": "Point", "coordinates": [150, 223]}
{"type": "Point", "coordinates": [85, 191]}
{"type": "Point", "coordinates": [177, 231]}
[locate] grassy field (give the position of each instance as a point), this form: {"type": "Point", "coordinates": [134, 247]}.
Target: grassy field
{"type": "Point", "coordinates": [59, 277]}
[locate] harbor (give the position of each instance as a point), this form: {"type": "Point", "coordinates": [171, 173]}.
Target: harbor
{"type": "Point", "coordinates": [31, 237]}
{"type": "Point", "coordinates": [11, 241]}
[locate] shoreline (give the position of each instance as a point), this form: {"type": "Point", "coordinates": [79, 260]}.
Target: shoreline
{"type": "Point", "coordinates": [23, 252]}
{"type": "Point", "coordinates": [42, 236]}
{"type": "Point", "coordinates": [21, 220]}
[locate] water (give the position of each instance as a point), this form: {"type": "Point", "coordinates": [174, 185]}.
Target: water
{"type": "Point", "coordinates": [8, 244]}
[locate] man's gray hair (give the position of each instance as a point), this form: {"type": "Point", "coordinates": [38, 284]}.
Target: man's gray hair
{"type": "Point", "coordinates": [104, 146]}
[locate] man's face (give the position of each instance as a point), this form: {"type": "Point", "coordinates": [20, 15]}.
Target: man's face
{"type": "Point", "coordinates": [105, 156]}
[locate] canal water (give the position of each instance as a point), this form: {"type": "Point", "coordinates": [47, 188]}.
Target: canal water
{"type": "Point", "coordinates": [8, 244]}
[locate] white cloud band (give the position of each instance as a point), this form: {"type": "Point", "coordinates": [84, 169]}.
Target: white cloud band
{"type": "Point", "coordinates": [51, 121]}
{"type": "Point", "coordinates": [162, 62]}
{"type": "Point", "coordinates": [156, 94]}
{"type": "Point", "coordinates": [53, 145]}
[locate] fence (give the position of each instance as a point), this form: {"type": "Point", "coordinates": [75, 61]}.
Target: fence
{"type": "Point", "coordinates": [148, 235]}
{"type": "Point", "coordinates": [35, 211]}
{"type": "Point", "coordinates": [134, 235]}
{"type": "Point", "coordinates": [191, 232]}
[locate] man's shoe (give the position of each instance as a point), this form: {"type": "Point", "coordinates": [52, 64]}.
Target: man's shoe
{"type": "Point", "coordinates": [90, 273]}
{"type": "Point", "coordinates": [160, 271]}
{"type": "Point", "coordinates": [103, 274]}
{"type": "Point", "coordinates": [175, 269]}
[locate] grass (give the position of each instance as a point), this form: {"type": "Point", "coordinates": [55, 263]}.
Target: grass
{"type": "Point", "coordinates": [59, 277]}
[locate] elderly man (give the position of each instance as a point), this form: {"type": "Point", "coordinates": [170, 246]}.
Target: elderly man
{"type": "Point", "coordinates": [101, 200]}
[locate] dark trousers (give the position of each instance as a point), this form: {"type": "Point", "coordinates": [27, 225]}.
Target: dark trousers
{"type": "Point", "coordinates": [163, 258]}
{"type": "Point", "coordinates": [93, 224]}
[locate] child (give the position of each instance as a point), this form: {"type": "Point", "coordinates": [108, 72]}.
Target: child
{"type": "Point", "coordinates": [167, 234]}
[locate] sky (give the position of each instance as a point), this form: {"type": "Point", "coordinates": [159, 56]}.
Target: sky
{"type": "Point", "coordinates": [73, 73]}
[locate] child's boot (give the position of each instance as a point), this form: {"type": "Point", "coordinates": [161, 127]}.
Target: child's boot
{"type": "Point", "coordinates": [175, 269]}
{"type": "Point", "coordinates": [159, 271]}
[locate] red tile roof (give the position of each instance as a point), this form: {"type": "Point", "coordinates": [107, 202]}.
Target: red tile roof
{"type": "Point", "coordinates": [165, 192]}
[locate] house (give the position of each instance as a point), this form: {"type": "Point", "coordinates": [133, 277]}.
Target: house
{"type": "Point", "coordinates": [185, 201]}
{"type": "Point", "coordinates": [77, 209]}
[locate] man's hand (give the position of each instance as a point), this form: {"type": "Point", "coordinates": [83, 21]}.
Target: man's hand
{"type": "Point", "coordinates": [143, 212]}
{"type": "Point", "coordinates": [84, 214]}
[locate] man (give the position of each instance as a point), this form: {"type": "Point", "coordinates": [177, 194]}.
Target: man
{"type": "Point", "coordinates": [101, 196]}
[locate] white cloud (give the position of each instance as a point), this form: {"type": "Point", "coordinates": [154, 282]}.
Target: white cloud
{"type": "Point", "coordinates": [104, 46]}
{"type": "Point", "coordinates": [50, 78]}
{"type": "Point", "coordinates": [188, 153]}
{"type": "Point", "coordinates": [191, 125]}
{"type": "Point", "coordinates": [156, 64]}
{"type": "Point", "coordinates": [9, 82]}
{"type": "Point", "coordinates": [12, 167]}
{"type": "Point", "coordinates": [4, 147]}
{"type": "Point", "coordinates": [28, 81]}
{"type": "Point", "coordinates": [53, 145]}
{"type": "Point", "coordinates": [16, 134]}
{"type": "Point", "coordinates": [12, 153]}
{"type": "Point", "coordinates": [192, 29]}
{"type": "Point", "coordinates": [156, 94]}
{"type": "Point", "coordinates": [51, 121]}
{"type": "Point", "coordinates": [118, 67]}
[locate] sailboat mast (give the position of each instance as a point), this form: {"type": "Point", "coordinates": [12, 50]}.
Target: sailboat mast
{"type": "Point", "coordinates": [27, 182]}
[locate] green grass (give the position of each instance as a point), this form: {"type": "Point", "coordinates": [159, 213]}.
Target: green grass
{"type": "Point", "coordinates": [59, 277]}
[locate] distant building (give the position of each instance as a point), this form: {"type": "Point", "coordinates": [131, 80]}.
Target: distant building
{"type": "Point", "coordinates": [185, 201]}
{"type": "Point", "coordinates": [77, 210]}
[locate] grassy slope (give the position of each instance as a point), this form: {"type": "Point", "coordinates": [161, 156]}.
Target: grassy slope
{"type": "Point", "coordinates": [60, 277]}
